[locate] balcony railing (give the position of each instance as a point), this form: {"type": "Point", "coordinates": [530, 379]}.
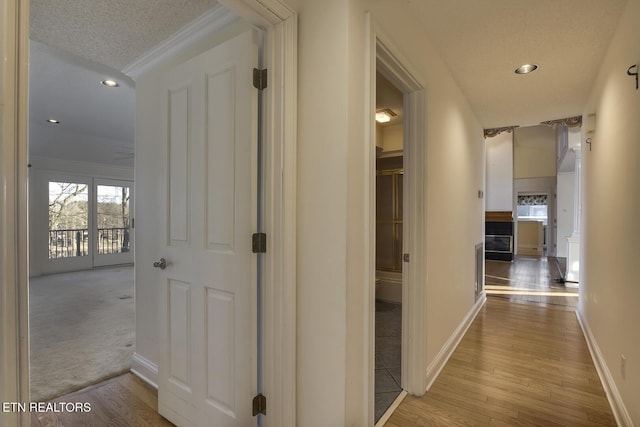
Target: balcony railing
{"type": "Point", "coordinates": [75, 242]}
{"type": "Point", "coordinates": [113, 240]}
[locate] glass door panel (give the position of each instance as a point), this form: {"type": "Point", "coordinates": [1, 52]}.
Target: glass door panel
{"type": "Point", "coordinates": [66, 242]}
{"type": "Point", "coordinates": [389, 206]}
{"type": "Point", "coordinates": [68, 219]}
{"type": "Point", "coordinates": [113, 223]}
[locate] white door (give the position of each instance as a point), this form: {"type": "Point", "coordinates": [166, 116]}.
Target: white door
{"type": "Point", "coordinates": [207, 307]}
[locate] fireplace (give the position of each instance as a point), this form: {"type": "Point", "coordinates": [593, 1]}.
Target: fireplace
{"type": "Point", "coordinates": [499, 235]}
{"type": "Point", "coordinates": [497, 243]}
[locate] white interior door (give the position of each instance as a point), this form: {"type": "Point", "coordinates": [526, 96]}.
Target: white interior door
{"type": "Point", "coordinates": [207, 369]}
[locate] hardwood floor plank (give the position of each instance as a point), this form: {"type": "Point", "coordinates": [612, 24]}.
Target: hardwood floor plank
{"type": "Point", "coordinates": [518, 364]}
{"type": "Point", "coordinates": [123, 401]}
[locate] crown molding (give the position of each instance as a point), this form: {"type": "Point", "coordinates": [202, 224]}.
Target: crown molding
{"type": "Point", "coordinates": [203, 26]}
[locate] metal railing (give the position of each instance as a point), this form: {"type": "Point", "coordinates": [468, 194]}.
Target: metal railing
{"type": "Point", "coordinates": [113, 240]}
{"type": "Point", "coordinates": [75, 242]}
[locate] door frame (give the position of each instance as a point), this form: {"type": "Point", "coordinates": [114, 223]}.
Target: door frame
{"type": "Point", "coordinates": [279, 22]}
{"type": "Point", "coordinates": [14, 321]}
{"type": "Point", "coordinates": [384, 56]}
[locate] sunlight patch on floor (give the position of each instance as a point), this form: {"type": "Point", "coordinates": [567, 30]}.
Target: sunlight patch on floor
{"type": "Point", "coordinates": [501, 290]}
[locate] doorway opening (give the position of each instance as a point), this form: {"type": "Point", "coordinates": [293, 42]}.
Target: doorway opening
{"type": "Point", "coordinates": [533, 229]}
{"type": "Point", "coordinates": [389, 243]}
{"type": "Point", "coordinates": [404, 250]}
{"type": "Point", "coordinates": [279, 21]}
{"type": "Point", "coordinates": [81, 241]}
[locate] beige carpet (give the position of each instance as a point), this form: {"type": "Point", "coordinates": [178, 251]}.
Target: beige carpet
{"type": "Point", "coordinates": [82, 329]}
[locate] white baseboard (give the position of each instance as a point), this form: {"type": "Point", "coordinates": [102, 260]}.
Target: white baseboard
{"type": "Point", "coordinates": [391, 409]}
{"type": "Point", "coordinates": [613, 396]}
{"type": "Point", "coordinates": [145, 369]}
{"type": "Point", "coordinates": [389, 286]}
{"type": "Point", "coordinates": [447, 350]}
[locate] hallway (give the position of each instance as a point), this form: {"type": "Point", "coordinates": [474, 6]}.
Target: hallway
{"type": "Point", "coordinates": [531, 280]}
{"type": "Point", "coordinates": [523, 361]}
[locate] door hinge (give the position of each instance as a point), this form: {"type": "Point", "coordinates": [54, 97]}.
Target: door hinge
{"type": "Point", "coordinates": [259, 405]}
{"type": "Point", "coordinates": [405, 257]}
{"type": "Point", "coordinates": [259, 243]}
{"type": "Point", "coordinates": [260, 78]}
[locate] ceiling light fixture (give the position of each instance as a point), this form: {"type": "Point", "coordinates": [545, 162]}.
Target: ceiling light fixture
{"type": "Point", "coordinates": [53, 121]}
{"type": "Point", "coordinates": [526, 69]}
{"type": "Point", "coordinates": [110, 83]}
{"type": "Point", "coordinates": [384, 115]}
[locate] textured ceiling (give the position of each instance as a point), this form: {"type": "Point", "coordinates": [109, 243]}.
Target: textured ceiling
{"type": "Point", "coordinates": [74, 45]}
{"type": "Point", "coordinates": [113, 32]}
{"type": "Point", "coordinates": [97, 124]}
{"type": "Point", "coordinates": [483, 42]}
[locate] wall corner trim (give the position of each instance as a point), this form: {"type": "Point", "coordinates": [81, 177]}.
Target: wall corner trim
{"type": "Point", "coordinates": [145, 369]}
{"type": "Point", "coordinates": [611, 390]}
{"type": "Point", "coordinates": [435, 367]}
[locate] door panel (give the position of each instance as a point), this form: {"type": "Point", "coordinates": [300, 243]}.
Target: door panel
{"type": "Point", "coordinates": [113, 236]}
{"type": "Point", "coordinates": [179, 149]}
{"type": "Point", "coordinates": [66, 243]}
{"type": "Point", "coordinates": [220, 350]}
{"type": "Point", "coordinates": [221, 148]}
{"type": "Point", "coordinates": [207, 366]}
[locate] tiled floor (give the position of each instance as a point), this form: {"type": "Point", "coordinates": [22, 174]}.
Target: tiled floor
{"type": "Point", "coordinates": [388, 355]}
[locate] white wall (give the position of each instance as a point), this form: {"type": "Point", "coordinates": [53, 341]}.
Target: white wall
{"type": "Point", "coordinates": [534, 152]}
{"type": "Point", "coordinates": [609, 289]}
{"type": "Point", "coordinates": [331, 286]}
{"type": "Point", "coordinates": [565, 210]}
{"type": "Point", "coordinates": [323, 126]}
{"type": "Point", "coordinates": [499, 193]}
{"type": "Point", "coordinates": [392, 137]}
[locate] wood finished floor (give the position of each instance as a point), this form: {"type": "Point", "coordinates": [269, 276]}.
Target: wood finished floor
{"type": "Point", "coordinates": [523, 362]}
{"type": "Point", "coordinates": [123, 401]}
{"type": "Point", "coordinates": [529, 280]}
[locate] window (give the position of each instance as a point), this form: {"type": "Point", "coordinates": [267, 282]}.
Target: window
{"type": "Point", "coordinates": [533, 207]}
{"type": "Point", "coordinates": [87, 220]}
{"type": "Point", "coordinates": [68, 219]}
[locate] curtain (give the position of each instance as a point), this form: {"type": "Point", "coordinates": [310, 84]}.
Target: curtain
{"type": "Point", "coordinates": [532, 199]}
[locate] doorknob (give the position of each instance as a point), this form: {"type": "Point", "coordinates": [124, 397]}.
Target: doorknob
{"type": "Point", "coordinates": [162, 264]}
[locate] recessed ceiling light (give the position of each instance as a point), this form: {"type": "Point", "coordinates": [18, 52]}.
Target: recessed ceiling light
{"type": "Point", "coordinates": [110, 83]}
{"type": "Point", "coordinates": [53, 121]}
{"type": "Point", "coordinates": [526, 69]}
